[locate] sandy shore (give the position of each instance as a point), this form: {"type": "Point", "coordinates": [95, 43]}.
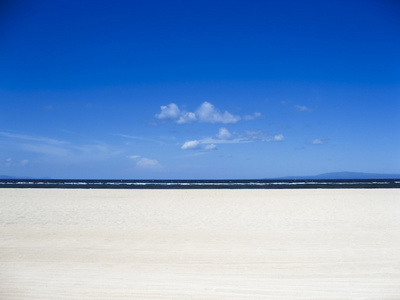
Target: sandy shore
{"type": "Point", "coordinates": [199, 244]}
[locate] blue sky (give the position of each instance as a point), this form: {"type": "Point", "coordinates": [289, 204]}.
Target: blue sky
{"type": "Point", "coordinates": [199, 89]}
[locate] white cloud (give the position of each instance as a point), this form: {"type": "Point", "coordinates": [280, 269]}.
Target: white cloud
{"type": "Point", "coordinates": [189, 145]}
{"type": "Point", "coordinates": [171, 111]}
{"type": "Point", "coordinates": [206, 113]}
{"type": "Point", "coordinates": [236, 140]}
{"type": "Point", "coordinates": [187, 117]}
{"type": "Point", "coordinates": [252, 117]}
{"type": "Point", "coordinates": [147, 163]}
{"type": "Point", "coordinates": [225, 137]}
{"type": "Point", "coordinates": [279, 138]}
{"type": "Point", "coordinates": [210, 147]}
{"type": "Point", "coordinates": [198, 145]}
{"type": "Point", "coordinates": [224, 134]}
{"type": "Point", "coordinates": [24, 162]}
{"type": "Point", "coordinates": [209, 114]}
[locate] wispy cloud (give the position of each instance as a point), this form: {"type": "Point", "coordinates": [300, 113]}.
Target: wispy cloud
{"type": "Point", "coordinates": [279, 138]}
{"type": "Point", "coordinates": [146, 163]}
{"type": "Point", "coordinates": [255, 136]}
{"type": "Point", "coordinates": [10, 162]}
{"type": "Point", "coordinates": [214, 140]}
{"type": "Point", "coordinates": [140, 138]}
{"type": "Point", "coordinates": [224, 136]}
{"type": "Point", "coordinates": [210, 147]}
{"type": "Point", "coordinates": [206, 113]}
{"type": "Point", "coordinates": [247, 136]}
{"type": "Point", "coordinates": [32, 138]}
{"type": "Point", "coordinates": [318, 142]}
{"type": "Point", "coordinates": [302, 108]}
{"type": "Point", "coordinates": [252, 117]}
{"type": "Point", "coordinates": [24, 162]}
{"type": "Point", "coordinates": [49, 149]}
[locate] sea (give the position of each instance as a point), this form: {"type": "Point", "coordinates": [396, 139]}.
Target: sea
{"type": "Point", "coordinates": [202, 184]}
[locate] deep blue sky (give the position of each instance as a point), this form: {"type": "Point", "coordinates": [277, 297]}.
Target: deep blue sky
{"type": "Point", "coordinates": [199, 89]}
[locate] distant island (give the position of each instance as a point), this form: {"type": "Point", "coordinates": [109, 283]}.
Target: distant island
{"type": "Point", "coordinates": [344, 175]}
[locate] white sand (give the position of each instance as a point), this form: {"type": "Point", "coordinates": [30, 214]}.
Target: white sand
{"type": "Point", "coordinates": [199, 244]}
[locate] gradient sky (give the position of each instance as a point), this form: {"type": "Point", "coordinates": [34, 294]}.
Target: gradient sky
{"type": "Point", "coordinates": [203, 89]}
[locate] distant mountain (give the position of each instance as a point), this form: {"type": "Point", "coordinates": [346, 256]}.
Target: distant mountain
{"type": "Point", "coordinates": [346, 175]}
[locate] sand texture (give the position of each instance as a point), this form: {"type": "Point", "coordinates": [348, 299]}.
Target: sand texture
{"type": "Point", "coordinates": [200, 244]}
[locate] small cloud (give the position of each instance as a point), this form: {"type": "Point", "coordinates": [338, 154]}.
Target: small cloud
{"type": "Point", "coordinates": [171, 111]}
{"type": "Point", "coordinates": [209, 114]}
{"type": "Point", "coordinates": [146, 163]}
{"type": "Point", "coordinates": [24, 162]}
{"type": "Point", "coordinates": [187, 117]}
{"type": "Point", "coordinates": [317, 142]}
{"type": "Point", "coordinates": [8, 162]}
{"type": "Point", "coordinates": [252, 117]}
{"type": "Point", "coordinates": [190, 145]}
{"type": "Point", "coordinates": [140, 138]}
{"type": "Point", "coordinates": [224, 134]}
{"type": "Point", "coordinates": [210, 147]}
{"type": "Point", "coordinates": [279, 138]}
{"type": "Point", "coordinates": [256, 136]}
{"type": "Point", "coordinates": [302, 108]}
{"type": "Point", "coordinates": [197, 145]}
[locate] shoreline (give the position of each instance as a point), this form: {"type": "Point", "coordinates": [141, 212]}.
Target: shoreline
{"type": "Point", "coordinates": [200, 244]}
{"type": "Point", "coordinates": [203, 184]}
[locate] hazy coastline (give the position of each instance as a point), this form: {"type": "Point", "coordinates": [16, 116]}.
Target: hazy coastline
{"type": "Point", "coordinates": [203, 184]}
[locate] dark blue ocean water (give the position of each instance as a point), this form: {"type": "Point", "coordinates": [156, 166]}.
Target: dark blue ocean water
{"type": "Point", "coordinates": [201, 184]}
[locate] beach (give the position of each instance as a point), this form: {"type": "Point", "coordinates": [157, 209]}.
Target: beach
{"type": "Point", "coordinates": [200, 244]}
